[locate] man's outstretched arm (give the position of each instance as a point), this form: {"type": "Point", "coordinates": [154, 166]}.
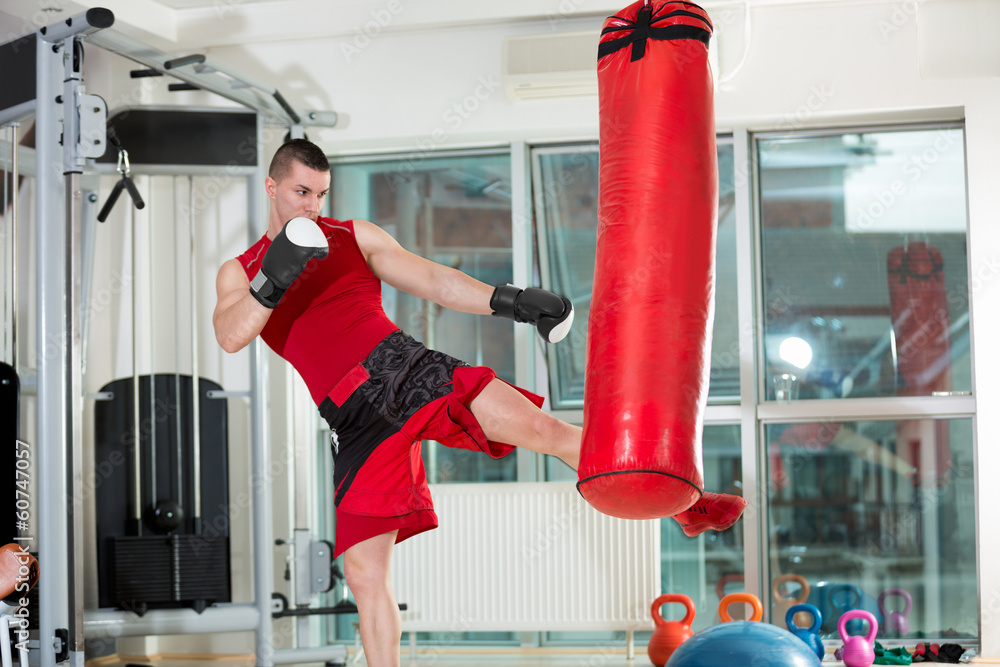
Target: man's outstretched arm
{"type": "Point", "coordinates": [451, 288]}
{"type": "Point", "coordinates": [398, 267]}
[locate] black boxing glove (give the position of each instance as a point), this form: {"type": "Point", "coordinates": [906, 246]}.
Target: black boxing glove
{"type": "Point", "coordinates": [299, 240]}
{"type": "Point", "coordinates": [550, 313]}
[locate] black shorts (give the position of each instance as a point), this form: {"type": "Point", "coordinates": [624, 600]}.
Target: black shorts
{"type": "Point", "coordinates": [400, 395]}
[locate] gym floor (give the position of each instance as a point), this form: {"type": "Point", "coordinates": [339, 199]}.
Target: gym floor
{"type": "Point", "coordinates": [428, 659]}
{"type": "Point", "coordinates": [424, 660]}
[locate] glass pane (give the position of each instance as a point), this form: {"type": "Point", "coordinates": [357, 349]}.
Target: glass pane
{"type": "Point", "coordinates": [455, 211]}
{"type": "Point", "coordinates": [864, 264]}
{"type": "Point", "coordinates": [863, 510]}
{"type": "Point", "coordinates": [725, 370]}
{"type": "Point", "coordinates": [707, 567]}
{"type": "Point", "coordinates": [567, 204]}
{"type": "Point", "coordinates": [566, 196]}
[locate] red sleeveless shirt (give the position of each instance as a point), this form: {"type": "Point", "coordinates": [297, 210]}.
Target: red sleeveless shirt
{"type": "Point", "coordinates": [331, 317]}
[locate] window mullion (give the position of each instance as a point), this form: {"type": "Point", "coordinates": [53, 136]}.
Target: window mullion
{"type": "Point", "coordinates": [753, 519]}
{"type": "Point", "coordinates": [887, 408]}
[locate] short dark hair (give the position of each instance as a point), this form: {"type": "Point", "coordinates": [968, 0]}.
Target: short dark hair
{"type": "Point", "coordinates": [302, 151]}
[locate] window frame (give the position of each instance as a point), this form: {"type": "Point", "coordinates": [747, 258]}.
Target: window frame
{"type": "Point", "coordinates": [757, 411]}
{"type": "Point", "coordinates": [721, 409]}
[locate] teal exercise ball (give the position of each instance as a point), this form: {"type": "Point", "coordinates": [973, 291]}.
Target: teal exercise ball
{"type": "Point", "coordinates": [743, 643]}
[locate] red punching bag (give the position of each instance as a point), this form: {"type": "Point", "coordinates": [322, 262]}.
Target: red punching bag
{"type": "Point", "coordinates": [649, 333]}
{"type": "Point", "coordinates": [922, 329]}
{"type": "Point", "coordinates": [920, 320]}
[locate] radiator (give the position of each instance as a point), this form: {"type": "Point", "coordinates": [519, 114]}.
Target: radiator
{"type": "Point", "coordinates": [525, 557]}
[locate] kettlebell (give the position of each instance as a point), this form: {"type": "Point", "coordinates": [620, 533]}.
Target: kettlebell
{"type": "Point", "coordinates": [758, 608]}
{"type": "Point", "coordinates": [859, 651]}
{"type": "Point", "coordinates": [668, 635]}
{"type": "Point", "coordinates": [783, 604]}
{"type": "Point", "coordinates": [896, 621]}
{"type": "Point", "coordinates": [851, 602]}
{"type": "Point", "coordinates": [720, 590]}
{"type": "Point", "coordinates": [809, 635]}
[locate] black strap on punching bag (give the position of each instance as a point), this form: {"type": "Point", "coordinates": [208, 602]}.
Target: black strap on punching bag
{"type": "Point", "coordinates": [644, 28]}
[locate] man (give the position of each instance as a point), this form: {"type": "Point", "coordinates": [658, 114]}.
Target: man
{"type": "Point", "coordinates": [311, 287]}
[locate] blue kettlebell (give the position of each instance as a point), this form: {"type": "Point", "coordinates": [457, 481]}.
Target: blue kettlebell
{"type": "Point", "coordinates": [809, 635]}
{"type": "Point", "coordinates": [851, 602]}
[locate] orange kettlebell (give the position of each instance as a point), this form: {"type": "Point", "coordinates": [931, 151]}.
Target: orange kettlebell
{"type": "Point", "coordinates": [782, 604]}
{"type": "Point", "coordinates": [668, 635]}
{"type": "Point", "coordinates": [720, 590]}
{"type": "Point", "coordinates": [758, 608]}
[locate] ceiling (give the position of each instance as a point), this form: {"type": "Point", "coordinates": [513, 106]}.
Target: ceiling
{"type": "Point", "coordinates": [196, 4]}
{"type": "Point", "coordinates": [181, 24]}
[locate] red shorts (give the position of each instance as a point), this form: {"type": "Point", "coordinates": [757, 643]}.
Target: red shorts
{"type": "Point", "coordinates": [400, 395]}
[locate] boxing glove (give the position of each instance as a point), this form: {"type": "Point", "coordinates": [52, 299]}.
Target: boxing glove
{"type": "Point", "coordinates": [550, 313]}
{"type": "Point", "coordinates": [298, 241]}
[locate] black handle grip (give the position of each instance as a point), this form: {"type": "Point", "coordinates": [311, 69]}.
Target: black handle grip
{"type": "Point", "coordinates": [112, 198]}
{"type": "Point", "coordinates": [133, 192]}
{"type": "Point", "coordinates": [184, 60]}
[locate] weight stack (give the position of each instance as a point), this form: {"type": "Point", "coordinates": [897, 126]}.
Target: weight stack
{"type": "Point", "coordinates": [159, 570]}
{"type": "Point", "coordinates": [161, 560]}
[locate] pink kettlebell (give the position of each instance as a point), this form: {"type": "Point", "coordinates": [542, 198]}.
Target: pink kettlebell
{"type": "Point", "coordinates": [896, 621]}
{"type": "Point", "coordinates": [859, 651]}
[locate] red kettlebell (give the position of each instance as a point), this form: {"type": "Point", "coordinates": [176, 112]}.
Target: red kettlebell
{"type": "Point", "coordinates": [668, 635]}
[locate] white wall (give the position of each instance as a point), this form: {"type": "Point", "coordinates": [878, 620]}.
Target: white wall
{"type": "Point", "coordinates": [807, 62]}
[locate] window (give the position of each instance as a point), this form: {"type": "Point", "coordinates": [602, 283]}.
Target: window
{"type": "Point", "coordinates": [865, 278]}
{"type": "Point", "coordinates": [864, 283]}
{"type": "Point", "coordinates": [858, 525]}
{"type": "Point", "coordinates": [711, 565]}
{"type": "Point", "coordinates": [566, 194]}
{"type": "Point", "coordinates": [454, 210]}
{"type": "Point", "coordinates": [565, 191]}
{"type": "Point", "coordinates": [566, 199]}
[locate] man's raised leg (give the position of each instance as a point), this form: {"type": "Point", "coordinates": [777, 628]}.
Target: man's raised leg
{"type": "Point", "coordinates": [505, 415]}
{"type": "Point", "coordinates": [366, 567]}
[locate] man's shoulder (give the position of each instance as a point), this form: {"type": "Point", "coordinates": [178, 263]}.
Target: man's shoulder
{"type": "Point", "coordinates": [329, 225]}
{"type": "Point", "coordinates": [252, 253]}
{"type": "Point", "coordinates": [233, 270]}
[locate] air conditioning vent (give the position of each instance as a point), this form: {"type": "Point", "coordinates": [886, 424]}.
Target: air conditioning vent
{"type": "Point", "coordinates": [550, 65]}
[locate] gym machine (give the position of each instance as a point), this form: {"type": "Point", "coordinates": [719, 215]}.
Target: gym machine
{"type": "Point", "coordinates": [44, 79]}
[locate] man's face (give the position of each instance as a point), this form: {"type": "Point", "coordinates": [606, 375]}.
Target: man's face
{"type": "Point", "coordinates": [299, 194]}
